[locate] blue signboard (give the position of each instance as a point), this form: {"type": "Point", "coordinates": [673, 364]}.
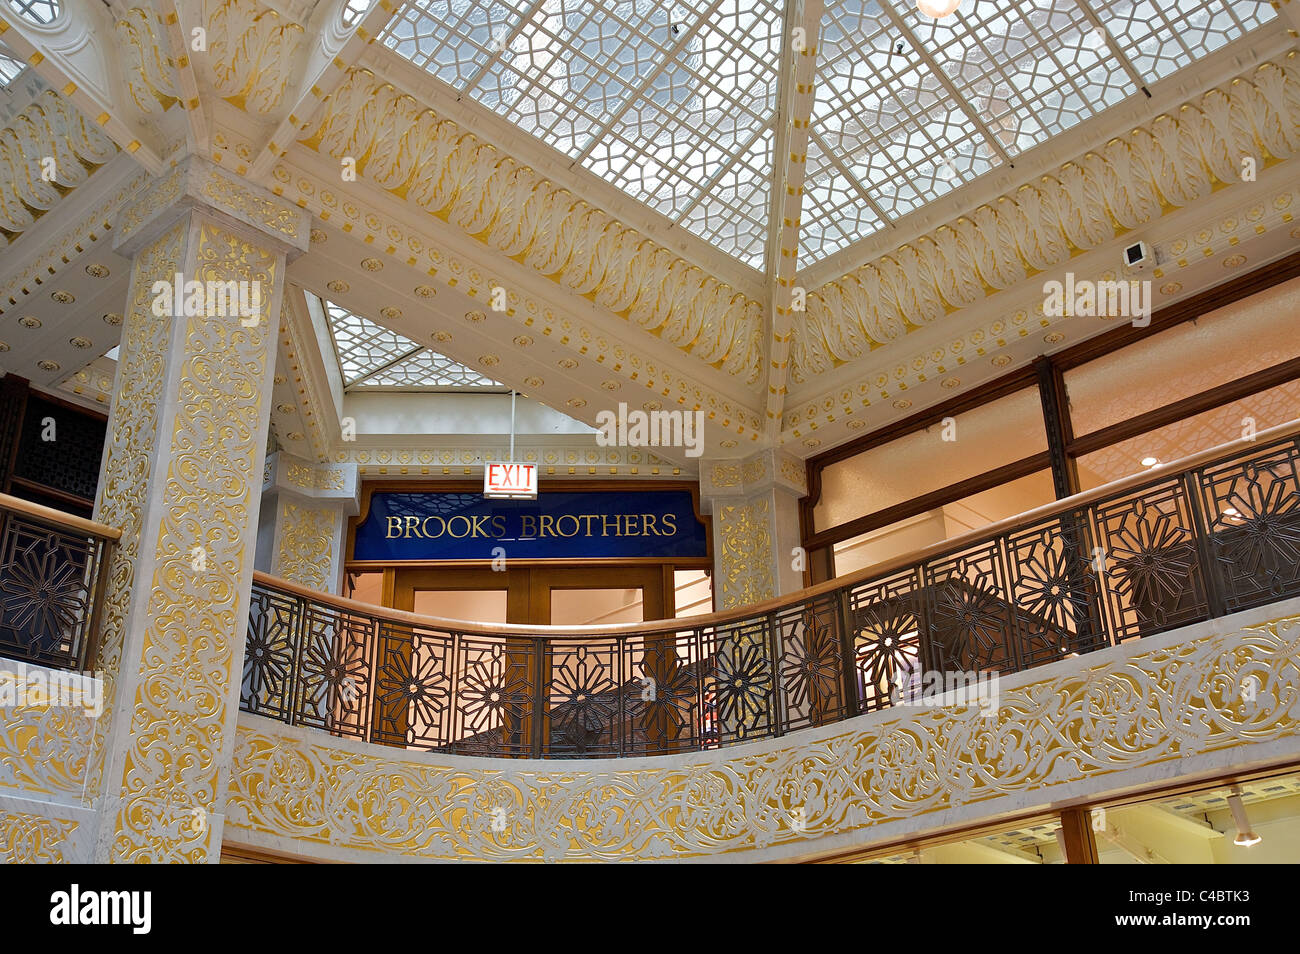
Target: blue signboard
{"type": "Point", "coordinates": [557, 525]}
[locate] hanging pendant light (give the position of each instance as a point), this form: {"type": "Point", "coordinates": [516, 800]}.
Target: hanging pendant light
{"type": "Point", "coordinates": [938, 9]}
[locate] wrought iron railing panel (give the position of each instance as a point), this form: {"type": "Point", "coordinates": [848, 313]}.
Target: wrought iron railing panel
{"type": "Point", "coordinates": [886, 619]}
{"type": "Point", "coordinates": [1253, 508]}
{"type": "Point", "coordinates": [1183, 546]}
{"type": "Point", "coordinates": [51, 581]}
{"type": "Point", "coordinates": [1147, 543]}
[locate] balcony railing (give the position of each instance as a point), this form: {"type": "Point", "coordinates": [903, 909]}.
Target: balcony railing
{"type": "Point", "coordinates": [1200, 538]}
{"type": "Point", "coordinates": [51, 584]}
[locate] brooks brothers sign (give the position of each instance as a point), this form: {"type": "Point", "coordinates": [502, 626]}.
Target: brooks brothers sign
{"type": "Point", "coordinates": [464, 526]}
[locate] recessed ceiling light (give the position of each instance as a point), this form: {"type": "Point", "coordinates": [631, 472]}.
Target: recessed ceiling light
{"type": "Point", "coordinates": [1150, 461]}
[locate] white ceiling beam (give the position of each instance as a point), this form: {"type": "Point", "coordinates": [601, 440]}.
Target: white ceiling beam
{"type": "Point", "coordinates": [90, 83]}
{"type": "Point", "coordinates": [179, 26]}
{"type": "Point", "coordinates": [796, 97]}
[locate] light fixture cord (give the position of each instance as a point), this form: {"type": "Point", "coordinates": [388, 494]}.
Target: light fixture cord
{"type": "Point", "coordinates": [512, 425]}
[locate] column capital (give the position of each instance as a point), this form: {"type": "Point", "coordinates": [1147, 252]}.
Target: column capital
{"type": "Point", "coordinates": [765, 470]}
{"type": "Point", "coordinates": [320, 484]}
{"type": "Point", "coordinates": [196, 183]}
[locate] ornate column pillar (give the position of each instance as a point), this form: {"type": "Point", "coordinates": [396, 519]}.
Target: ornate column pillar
{"type": "Point", "coordinates": [755, 507]}
{"type": "Point", "coordinates": [306, 507]}
{"type": "Point", "coordinates": [181, 475]}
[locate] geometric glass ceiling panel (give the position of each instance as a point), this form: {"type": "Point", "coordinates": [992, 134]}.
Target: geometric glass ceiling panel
{"type": "Point", "coordinates": [9, 67]}
{"type": "Point", "coordinates": [1023, 71]}
{"type": "Point", "coordinates": [371, 356]}
{"type": "Point", "coordinates": [673, 104]}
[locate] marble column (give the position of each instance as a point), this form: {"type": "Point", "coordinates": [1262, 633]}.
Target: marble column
{"type": "Point", "coordinates": [182, 476]}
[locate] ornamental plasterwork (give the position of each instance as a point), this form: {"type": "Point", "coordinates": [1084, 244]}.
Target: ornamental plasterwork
{"type": "Point", "coordinates": [34, 839]}
{"type": "Point", "coordinates": [745, 552]}
{"type": "Point", "coordinates": [888, 380]}
{"type": "Point", "coordinates": [253, 53]}
{"type": "Point", "coordinates": [758, 472]}
{"type": "Point", "coordinates": [49, 127]}
{"type": "Point", "coordinates": [93, 228]}
{"type": "Point", "coordinates": [448, 267]}
{"type": "Point", "coordinates": [306, 542]}
{"type": "Point", "coordinates": [583, 461]}
{"type": "Point", "coordinates": [314, 478]}
{"type": "Point", "coordinates": [452, 173]}
{"type": "Point", "coordinates": [180, 701]}
{"type": "Point", "coordinates": [129, 445]}
{"type": "Point", "coordinates": [1169, 162]}
{"type": "Point", "coordinates": [94, 381]}
{"type": "Point", "coordinates": [147, 69]}
{"type": "Point", "coordinates": [44, 751]}
{"type": "Point", "coordinates": [1075, 730]}
{"type": "Point", "coordinates": [198, 178]}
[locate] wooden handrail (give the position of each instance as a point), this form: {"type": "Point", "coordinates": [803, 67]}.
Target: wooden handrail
{"type": "Point", "coordinates": [789, 600]}
{"type": "Point", "coordinates": [66, 521]}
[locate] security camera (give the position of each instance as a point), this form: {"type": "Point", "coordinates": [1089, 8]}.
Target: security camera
{"type": "Point", "coordinates": [1139, 257]}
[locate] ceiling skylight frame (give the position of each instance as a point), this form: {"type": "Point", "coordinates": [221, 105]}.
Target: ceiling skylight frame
{"type": "Point", "coordinates": [1044, 39]}
{"type": "Point", "coordinates": [646, 140]}
{"type": "Point", "coordinates": [678, 122]}
{"type": "Point", "coordinates": [387, 351]}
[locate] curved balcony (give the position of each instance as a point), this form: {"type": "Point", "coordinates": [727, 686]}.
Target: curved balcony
{"type": "Point", "coordinates": [1193, 540]}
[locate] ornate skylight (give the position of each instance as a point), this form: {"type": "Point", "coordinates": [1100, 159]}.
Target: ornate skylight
{"type": "Point", "coordinates": [889, 135]}
{"type": "Point", "coordinates": [677, 104]}
{"type": "Point", "coordinates": [674, 104]}
{"type": "Point", "coordinates": [371, 356]}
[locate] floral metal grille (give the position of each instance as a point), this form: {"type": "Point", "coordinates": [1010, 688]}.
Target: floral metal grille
{"type": "Point", "coordinates": [50, 587]}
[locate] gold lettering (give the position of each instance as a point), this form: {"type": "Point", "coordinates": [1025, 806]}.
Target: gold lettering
{"type": "Point", "coordinates": [559, 525]}
{"type": "Point", "coordinates": [452, 522]}
{"type": "Point", "coordinates": [650, 529]}
{"type": "Point", "coordinates": [478, 525]}
{"type": "Point", "coordinates": [498, 526]}
{"type": "Point", "coordinates": [547, 525]}
{"type": "Point", "coordinates": [527, 525]}
{"type": "Point", "coordinates": [412, 527]}
{"type": "Point", "coordinates": [632, 520]}
{"type": "Point", "coordinates": [586, 526]}
{"type": "Point", "coordinates": [670, 524]}
{"type": "Point", "coordinates": [429, 533]}
{"type": "Point", "coordinates": [393, 531]}
{"type": "Point", "coordinates": [604, 526]}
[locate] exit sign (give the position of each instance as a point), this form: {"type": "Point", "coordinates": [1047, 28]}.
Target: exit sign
{"type": "Point", "coordinates": [511, 481]}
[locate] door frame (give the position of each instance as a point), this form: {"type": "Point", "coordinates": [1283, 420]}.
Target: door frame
{"type": "Point", "coordinates": [528, 588]}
